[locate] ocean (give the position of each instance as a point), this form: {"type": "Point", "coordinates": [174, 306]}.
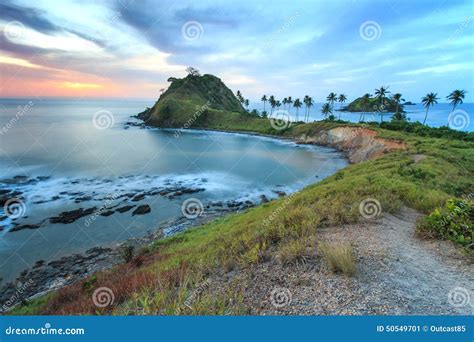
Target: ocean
{"type": "Point", "coordinates": [75, 175]}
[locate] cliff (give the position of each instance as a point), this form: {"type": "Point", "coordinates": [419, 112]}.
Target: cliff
{"type": "Point", "coordinates": [358, 143]}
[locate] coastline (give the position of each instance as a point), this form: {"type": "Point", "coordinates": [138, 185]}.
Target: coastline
{"type": "Point", "coordinates": [44, 278]}
{"type": "Point", "coordinates": [351, 142]}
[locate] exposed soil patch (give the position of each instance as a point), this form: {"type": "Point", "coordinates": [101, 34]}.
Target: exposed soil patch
{"type": "Point", "coordinates": [397, 274]}
{"type": "Point", "coordinates": [358, 143]}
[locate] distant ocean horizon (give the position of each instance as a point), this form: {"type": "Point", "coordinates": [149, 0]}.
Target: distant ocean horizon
{"type": "Point", "coordinates": [438, 115]}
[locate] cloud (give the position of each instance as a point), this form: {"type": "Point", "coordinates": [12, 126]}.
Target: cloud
{"type": "Point", "coordinates": [440, 69]}
{"type": "Point", "coordinates": [28, 16]}
{"type": "Point", "coordinates": [286, 48]}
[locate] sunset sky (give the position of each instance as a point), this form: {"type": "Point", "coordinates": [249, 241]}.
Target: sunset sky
{"type": "Point", "coordinates": [128, 49]}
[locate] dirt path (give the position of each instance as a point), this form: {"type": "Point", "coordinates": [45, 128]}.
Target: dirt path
{"type": "Point", "coordinates": [397, 274]}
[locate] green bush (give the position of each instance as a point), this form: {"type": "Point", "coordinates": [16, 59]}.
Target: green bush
{"type": "Point", "coordinates": [454, 222]}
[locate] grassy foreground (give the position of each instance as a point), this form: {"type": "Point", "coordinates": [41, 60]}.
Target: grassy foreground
{"type": "Point", "coordinates": [172, 276]}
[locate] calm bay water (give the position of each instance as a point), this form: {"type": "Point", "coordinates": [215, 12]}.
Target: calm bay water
{"type": "Point", "coordinates": [67, 161]}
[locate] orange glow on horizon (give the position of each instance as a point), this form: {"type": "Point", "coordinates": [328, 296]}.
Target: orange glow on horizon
{"type": "Point", "coordinates": [77, 85]}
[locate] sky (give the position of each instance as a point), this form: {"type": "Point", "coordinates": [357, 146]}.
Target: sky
{"type": "Point", "coordinates": [128, 49]}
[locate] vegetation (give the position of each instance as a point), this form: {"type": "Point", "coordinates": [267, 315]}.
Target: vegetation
{"type": "Point", "coordinates": [127, 253]}
{"type": "Point", "coordinates": [172, 268]}
{"type": "Point", "coordinates": [341, 99]}
{"type": "Point", "coordinates": [187, 99]}
{"type": "Point", "coordinates": [456, 97]}
{"type": "Point", "coordinates": [170, 271]}
{"type": "Point", "coordinates": [429, 100]}
{"type": "Point", "coordinates": [369, 104]}
{"type": "Point", "coordinates": [454, 221]}
{"type": "Point", "coordinates": [339, 257]}
{"type": "Point", "coordinates": [326, 110]}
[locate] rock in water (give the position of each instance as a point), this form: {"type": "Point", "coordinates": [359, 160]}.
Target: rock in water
{"type": "Point", "coordinates": [141, 210]}
{"type": "Point", "coordinates": [71, 216]}
{"type": "Point", "coordinates": [124, 208]}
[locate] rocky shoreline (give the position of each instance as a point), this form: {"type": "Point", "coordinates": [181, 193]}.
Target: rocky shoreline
{"type": "Point", "coordinates": [44, 276]}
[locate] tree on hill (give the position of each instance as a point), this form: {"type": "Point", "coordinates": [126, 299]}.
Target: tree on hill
{"type": "Point", "coordinates": [428, 101]}
{"type": "Point", "coordinates": [272, 102]}
{"type": "Point", "coordinates": [309, 103]}
{"type": "Point", "coordinates": [456, 97]}
{"type": "Point", "coordinates": [341, 99]}
{"type": "Point", "coordinates": [381, 93]}
{"type": "Point", "coordinates": [289, 100]}
{"type": "Point", "coordinates": [326, 110]}
{"type": "Point", "coordinates": [331, 98]}
{"type": "Point", "coordinates": [239, 96]}
{"type": "Point", "coordinates": [397, 98]}
{"type": "Point", "coordinates": [365, 100]}
{"type": "Point", "coordinates": [305, 101]}
{"type": "Point", "coordinates": [297, 104]}
{"type": "Point", "coordinates": [193, 71]}
{"type": "Point", "coordinates": [264, 100]}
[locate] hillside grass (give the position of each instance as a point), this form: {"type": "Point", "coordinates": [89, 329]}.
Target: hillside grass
{"type": "Point", "coordinates": [171, 269]}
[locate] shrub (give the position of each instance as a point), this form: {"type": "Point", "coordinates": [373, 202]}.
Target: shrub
{"type": "Point", "coordinates": [454, 222]}
{"type": "Point", "coordinates": [127, 253]}
{"type": "Point", "coordinates": [293, 252]}
{"type": "Point", "coordinates": [339, 257]}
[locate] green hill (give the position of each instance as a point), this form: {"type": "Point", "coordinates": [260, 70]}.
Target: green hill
{"type": "Point", "coordinates": [188, 101]}
{"type": "Point", "coordinates": [373, 105]}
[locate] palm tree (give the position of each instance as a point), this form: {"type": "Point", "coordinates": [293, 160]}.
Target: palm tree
{"type": "Point", "coordinates": [297, 104]}
{"type": "Point", "coordinates": [332, 97]}
{"type": "Point", "coordinates": [326, 110]}
{"type": "Point", "coordinates": [380, 94]}
{"type": "Point", "coordinates": [309, 104]}
{"type": "Point", "coordinates": [456, 97]}
{"type": "Point", "coordinates": [305, 101]}
{"type": "Point", "coordinates": [284, 101]}
{"type": "Point", "coordinates": [341, 99]}
{"type": "Point", "coordinates": [239, 96]}
{"type": "Point", "coordinates": [397, 98]}
{"type": "Point", "coordinates": [429, 100]}
{"type": "Point", "coordinates": [365, 102]}
{"type": "Point", "coordinates": [289, 101]}
{"type": "Point", "coordinates": [278, 104]}
{"type": "Point", "coordinates": [246, 102]}
{"type": "Point", "coordinates": [272, 102]}
{"type": "Point", "coordinates": [264, 100]}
